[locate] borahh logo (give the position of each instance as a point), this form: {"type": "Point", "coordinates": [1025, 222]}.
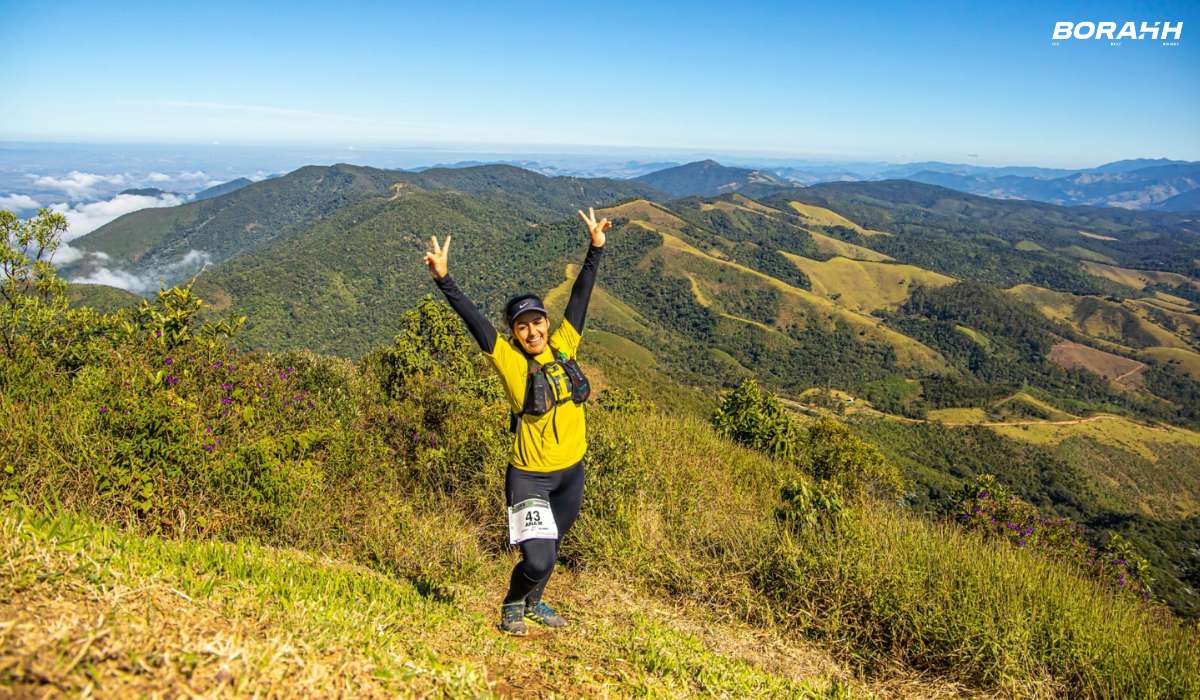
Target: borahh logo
{"type": "Point", "coordinates": [1106, 30]}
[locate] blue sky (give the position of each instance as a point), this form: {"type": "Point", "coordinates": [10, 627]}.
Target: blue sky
{"type": "Point", "coordinates": [846, 80]}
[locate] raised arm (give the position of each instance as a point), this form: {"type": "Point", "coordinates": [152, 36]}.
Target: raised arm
{"type": "Point", "coordinates": [479, 327]}
{"type": "Point", "coordinates": [581, 291]}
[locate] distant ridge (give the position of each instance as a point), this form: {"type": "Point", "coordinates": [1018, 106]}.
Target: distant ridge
{"type": "Point", "coordinates": [145, 192]}
{"type": "Point", "coordinates": [224, 188]}
{"type": "Point", "coordinates": [708, 178]}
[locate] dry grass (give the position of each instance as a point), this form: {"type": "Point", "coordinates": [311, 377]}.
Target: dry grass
{"type": "Point", "coordinates": [819, 216]}
{"type": "Point", "coordinates": [1105, 364]}
{"type": "Point", "coordinates": [865, 286]}
{"type": "Point", "coordinates": [1138, 279]}
{"type": "Point", "coordinates": [832, 246]}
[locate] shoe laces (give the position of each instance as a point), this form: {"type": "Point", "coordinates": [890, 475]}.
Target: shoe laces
{"type": "Point", "coordinates": [513, 612]}
{"type": "Point", "coordinates": [541, 609]}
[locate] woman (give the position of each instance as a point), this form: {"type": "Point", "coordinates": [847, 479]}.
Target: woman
{"type": "Point", "coordinates": [545, 389]}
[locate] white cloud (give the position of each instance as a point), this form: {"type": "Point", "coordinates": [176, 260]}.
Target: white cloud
{"type": "Point", "coordinates": [17, 203]}
{"type": "Point", "coordinates": [186, 179]}
{"type": "Point", "coordinates": [85, 218]}
{"type": "Point", "coordinates": [193, 262]}
{"type": "Point", "coordinates": [114, 278]}
{"type": "Point", "coordinates": [79, 185]}
{"type": "Point", "coordinates": [66, 254]}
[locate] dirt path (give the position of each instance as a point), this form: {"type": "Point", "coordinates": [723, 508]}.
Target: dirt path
{"type": "Point", "coordinates": [1135, 370]}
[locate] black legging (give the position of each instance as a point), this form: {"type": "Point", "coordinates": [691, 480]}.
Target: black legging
{"type": "Point", "coordinates": [564, 490]}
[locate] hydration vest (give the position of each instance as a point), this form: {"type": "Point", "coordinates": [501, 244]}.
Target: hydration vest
{"type": "Point", "coordinates": [541, 397]}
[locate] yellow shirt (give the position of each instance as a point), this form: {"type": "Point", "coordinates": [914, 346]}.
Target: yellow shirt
{"type": "Point", "coordinates": [535, 447]}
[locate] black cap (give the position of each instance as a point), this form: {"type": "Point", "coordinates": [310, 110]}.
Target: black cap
{"type": "Point", "coordinates": [519, 305]}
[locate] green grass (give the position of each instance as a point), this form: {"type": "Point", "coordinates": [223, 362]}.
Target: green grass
{"type": "Point", "coordinates": [316, 625]}
{"type": "Point", "coordinates": [1082, 253]}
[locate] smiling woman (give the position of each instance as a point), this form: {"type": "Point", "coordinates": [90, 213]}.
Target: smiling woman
{"type": "Point", "coordinates": [546, 390]}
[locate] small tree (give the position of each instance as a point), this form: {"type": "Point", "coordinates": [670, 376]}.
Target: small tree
{"type": "Point", "coordinates": [33, 296]}
{"type": "Point", "coordinates": [757, 420]}
{"type": "Point", "coordinates": [432, 343]}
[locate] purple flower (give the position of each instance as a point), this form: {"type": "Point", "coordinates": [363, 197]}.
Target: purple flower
{"type": "Point", "coordinates": [983, 494]}
{"type": "Point", "coordinates": [157, 334]}
{"type": "Point", "coordinates": [168, 360]}
{"type": "Point", "coordinates": [104, 409]}
{"type": "Point", "coordinates": [1021, 543]}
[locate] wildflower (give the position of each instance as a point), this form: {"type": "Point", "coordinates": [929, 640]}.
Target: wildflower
{"type": "Point", "coordinates": [983, 494]}
{"type": "Point", "coordinates": [1021, 543]}
{"type": "Point", "coordinates": [168, 360]}
{"type": "Point", "coordinates": [157, 334]}
{"type": "Point", "coordinates": [104, 409]}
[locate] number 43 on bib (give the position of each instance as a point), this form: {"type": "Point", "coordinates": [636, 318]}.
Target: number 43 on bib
{"type": "Point", "coordinates": [531, 519]}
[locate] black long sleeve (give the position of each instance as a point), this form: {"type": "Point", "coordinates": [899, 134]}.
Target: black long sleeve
{"type": "Point", "coordinates": [581, 291]}
{"type": "Point", "coordinates": [483, 331]}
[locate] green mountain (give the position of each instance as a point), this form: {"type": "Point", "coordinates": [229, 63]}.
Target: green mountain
{"type": "Point", "coordinates": [709, 178]}
{"type": "Point", "coordinates": [155, 241]}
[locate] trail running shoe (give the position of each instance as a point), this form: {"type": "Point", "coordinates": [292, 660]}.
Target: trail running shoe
{"type": "Point", "coordinates": [512, 618]}
{"type": "Point", "coordinates": [540, 612]}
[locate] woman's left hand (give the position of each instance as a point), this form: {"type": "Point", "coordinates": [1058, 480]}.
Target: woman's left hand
{"type": "Point", "coordinates": [596, 228]}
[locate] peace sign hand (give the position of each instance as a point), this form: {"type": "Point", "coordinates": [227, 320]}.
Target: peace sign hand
{"type": "Point", "coordinates": [596, 228]}
{"type": "Point", "coordinates": [437, 259]}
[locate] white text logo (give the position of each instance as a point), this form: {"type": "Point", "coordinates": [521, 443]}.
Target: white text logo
{"type": "Point", "coordinates": [1108, 30]}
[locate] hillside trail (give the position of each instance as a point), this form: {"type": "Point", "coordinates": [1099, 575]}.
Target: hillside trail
{"type": "Point", "coordinates": [1135, 370]}
{"type": "Point", "coordinates": [593, 600]}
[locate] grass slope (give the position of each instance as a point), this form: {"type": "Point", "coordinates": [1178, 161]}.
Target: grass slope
{"type": "Point", "coordinates": [711, 277]}
{"type": "Point", "coordinates": [833, 246]}
{"type": "Point", "coordinates": [187, 617]}
{"type": "Point", "coordinates": [865, 286]}
{"type": "Point", "coordinates": [819, 216]}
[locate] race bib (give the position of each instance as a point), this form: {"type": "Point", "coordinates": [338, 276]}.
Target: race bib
{"type": "Point", "coordinates": [531, 519]}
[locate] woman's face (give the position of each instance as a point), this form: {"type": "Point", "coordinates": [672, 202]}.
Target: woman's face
{"type": "Point", "coordinates": [531, 329]}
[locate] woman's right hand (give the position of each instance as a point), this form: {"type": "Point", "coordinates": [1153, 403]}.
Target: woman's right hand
{"type": "Point", "coordinates": [437, 259]}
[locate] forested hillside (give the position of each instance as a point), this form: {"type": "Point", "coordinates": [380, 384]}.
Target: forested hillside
{"type": "Point", "coordinates": [274, 210]}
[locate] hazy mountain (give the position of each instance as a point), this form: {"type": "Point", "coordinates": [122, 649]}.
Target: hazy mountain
{"type": "Point", "coordinates": [708, 178]}
{"type": "Point", "coordinates": [1188, 201]}
{"type": "Point", "coordinates": [1115, 185]}
{"type": "Point", "coordinates": [147, 192]}
{"type": "Point", "coordinates": [224, 188]}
